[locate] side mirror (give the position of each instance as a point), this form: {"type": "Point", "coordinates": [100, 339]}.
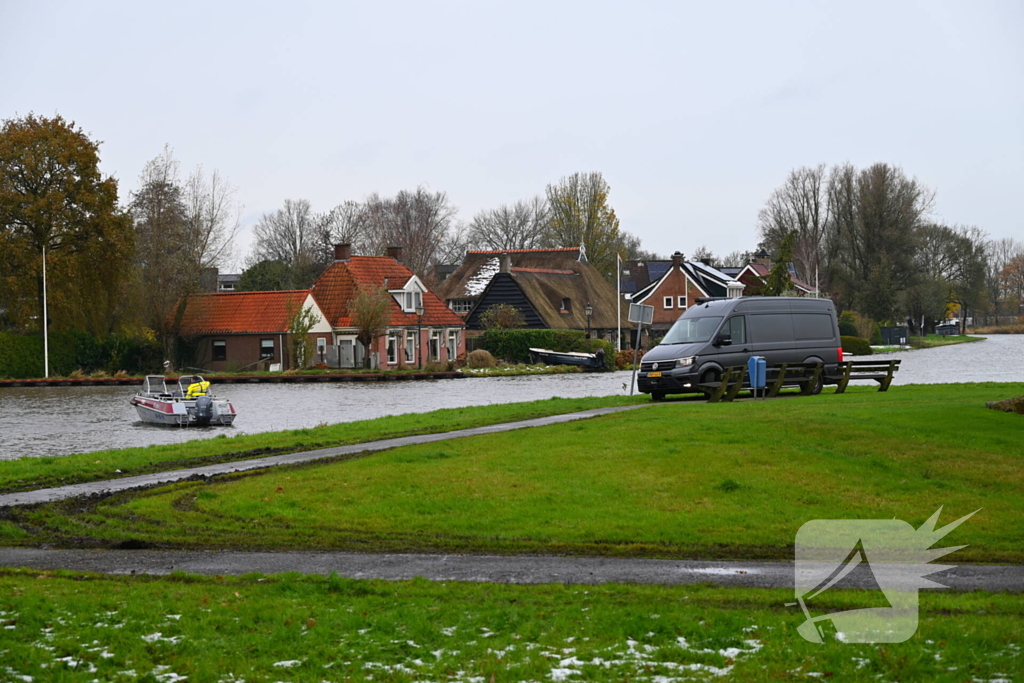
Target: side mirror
{"type": "Point", "coordinates": [723, 339]}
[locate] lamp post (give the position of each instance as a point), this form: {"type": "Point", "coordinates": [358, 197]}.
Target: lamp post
{"type": "Point", "coordinates": [419, 336]}
{"type": "Point", "coordinates": [588, 311]}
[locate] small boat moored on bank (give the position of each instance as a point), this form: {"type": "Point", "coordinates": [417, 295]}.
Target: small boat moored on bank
{"type": "Point", "coordinates": [189, 404]}
{"type": "Point", "coordinates": [590, 361]}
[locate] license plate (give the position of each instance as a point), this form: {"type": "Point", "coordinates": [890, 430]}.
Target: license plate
{"type": "Point", "coordinates": [653, 374]}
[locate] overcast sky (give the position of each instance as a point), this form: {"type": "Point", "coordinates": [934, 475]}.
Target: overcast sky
{"type": "Point", "coordinates": [694, 112]}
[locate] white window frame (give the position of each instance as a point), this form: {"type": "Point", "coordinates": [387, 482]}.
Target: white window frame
{"type": "Point", "coordinates": [410, 347]}
{"type": "Point", "coordinates": [453, 344]}
{"type": "Point", "coordinates": [666, 301]}
{"type": "Point", "coordinates": [392, 348]}
{"type": "Point", "coordinates": [434, 345]}
{"type": "Point", "coordinates": [681, 302]}
{"type": "Point", "coordinates": [263, 349]}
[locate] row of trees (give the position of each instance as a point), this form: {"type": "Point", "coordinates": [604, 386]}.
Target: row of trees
{"type": "Point", "coordinates": [867, 235]}
{"type": "Point", "coordinates": [294, 244]}
{"type": "Point", "coordinates": [124, 267]}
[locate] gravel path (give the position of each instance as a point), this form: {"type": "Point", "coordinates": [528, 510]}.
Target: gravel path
{"type": "Point", "coordinates": [490, 568]}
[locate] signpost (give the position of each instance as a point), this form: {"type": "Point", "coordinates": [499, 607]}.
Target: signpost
{"type": "Point", "coordinates": [640, 314]}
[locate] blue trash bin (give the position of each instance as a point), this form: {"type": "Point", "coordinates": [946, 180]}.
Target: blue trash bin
{"type": "Point", "coordinates": [757, 370]}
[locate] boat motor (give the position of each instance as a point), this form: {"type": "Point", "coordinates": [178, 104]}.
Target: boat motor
{"type": "Point", "coordinates": [204, 410]}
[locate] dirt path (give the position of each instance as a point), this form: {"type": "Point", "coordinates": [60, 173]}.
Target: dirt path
{"type": "Point", "coordinates": [489, 568]}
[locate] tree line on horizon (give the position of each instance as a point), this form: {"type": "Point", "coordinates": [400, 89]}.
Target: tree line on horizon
{"type": "Point", "coordinates": [118, 268]}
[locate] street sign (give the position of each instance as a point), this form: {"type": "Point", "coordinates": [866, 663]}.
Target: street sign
{"type": "Point", "coordinates": [638, 313]}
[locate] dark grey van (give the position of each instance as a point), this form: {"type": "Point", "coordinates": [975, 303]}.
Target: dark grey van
{"type": "Point", "coordinates": [717, 334]}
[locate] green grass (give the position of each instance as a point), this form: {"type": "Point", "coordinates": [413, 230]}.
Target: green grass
{"type": "Point", "coordinates": [933, 340]}
{"type": "Point", "coordinates": [30, 473]}
{"type": "Point", "coordinates": [72, 627]}
{"type": "Point", "coordinates": [680, 479]}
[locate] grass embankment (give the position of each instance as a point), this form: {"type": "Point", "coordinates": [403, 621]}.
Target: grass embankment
{"type": "Point", "coordinates": [83, 628]}
{"type": "Point", "coordinates": [999, 329]}
{"type": "Point", "coordinates": [932, 340]}
{"type": "Point", "coordinates": [680, 479]}
{"type": "Point", "coordinates": [33, 472]}
{"type": "Point", "coordinates": [522, 369]}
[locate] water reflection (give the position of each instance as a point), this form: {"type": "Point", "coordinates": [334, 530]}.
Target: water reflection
{"type": "Point", "coordinates": [61, 420]}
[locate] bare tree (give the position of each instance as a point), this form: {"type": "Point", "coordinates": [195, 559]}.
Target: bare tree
{"type": "Point", "coordinates": [519, 226]}
{"type": "Point", "coordinates": [159, 215]}
{"type": "Point", "coordinates": [630, 248]}
{"type": "Point", "coordinates": [800, 205]}
{"type": "Point", "coordinates": [371, 313]}
{"type": "Point", "coordinates": [289, 235]}
{"type": "Point", "coordinates": [581, 215]}
{"type": "Point", "coordinates": [212, 218]}
{"type": "Point", "coordinates": [999, 254]}
{"type": "Point", "coordinates": [419, 221]}
{"type": "Point", "coordinates": [344, 224]}
{"type": "Point", "coordinates": [702, 253]}
{"type": "Point", "coordinates": [736, 259]}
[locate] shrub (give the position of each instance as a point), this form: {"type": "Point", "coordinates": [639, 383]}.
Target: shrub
{"type": "Point", "coordinates": [856, 346]}
{"type": "Point", "coordinates": [481, 359]}
{"type": "Point", "coordinates": [876, 335]}
{"type": "Point", "coordinates": [514, 345]}
{"type": "Point", "coordinates": [624, 359]}
{"type": "Point", "coordinates": [502, 316]}
{"type": "Point", "coordinates": [436, 367]}
{"type": "Point", "coordinates": [21, 356]}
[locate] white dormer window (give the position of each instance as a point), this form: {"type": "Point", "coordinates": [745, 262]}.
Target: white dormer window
{"type": "Point", "coordinates": [409, 297]}
{"type": "Point", "coordinates": [667, 302]}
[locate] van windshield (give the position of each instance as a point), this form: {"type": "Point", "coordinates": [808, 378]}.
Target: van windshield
{"type": "Point", "coordinates": [691, 330]}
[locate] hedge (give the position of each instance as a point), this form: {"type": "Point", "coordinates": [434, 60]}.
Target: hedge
{"type": "Point", "coordinates": [21, 356]}
{"type": "Point", "coordinates": [513, 345]}
{"type": "Point", "coordinates": [856, 346]}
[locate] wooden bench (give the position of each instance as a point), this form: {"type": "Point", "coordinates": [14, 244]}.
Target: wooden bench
{"type": "Point", "coordinates": [803, 375]}
{"type": "Point", "coordinates": [880, 371]}
{"type": "Point", "coordinates": [728, 386]}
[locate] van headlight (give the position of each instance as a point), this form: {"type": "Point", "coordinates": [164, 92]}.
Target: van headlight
{"type": "Point", "coordinates": [683, 362]}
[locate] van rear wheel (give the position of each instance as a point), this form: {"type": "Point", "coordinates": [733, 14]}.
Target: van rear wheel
{"type": "Point", "coordinates": [657, 395]}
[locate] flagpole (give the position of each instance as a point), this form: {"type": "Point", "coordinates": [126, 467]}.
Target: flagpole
{"type": "Point", "coordinates": [46, 332]}
{"type": "Point", "coordinates": [618, 302]}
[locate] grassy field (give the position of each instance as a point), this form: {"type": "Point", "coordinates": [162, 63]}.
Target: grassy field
{"type": "Point", "coordinates": [680, 479]}
{"type": "Point", "coordinates": [289, 628]}
{"type": "Point", "coordinates": [32, 473]}
{"type": "Point", "coordinates": [932, 340]}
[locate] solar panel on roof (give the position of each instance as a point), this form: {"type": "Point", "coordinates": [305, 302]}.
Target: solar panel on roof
{"type": "Point", "coordinates": [658, 270]}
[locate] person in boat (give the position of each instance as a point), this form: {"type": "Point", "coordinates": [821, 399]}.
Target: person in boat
{"type": "Point", "coordinates": [197, 389]}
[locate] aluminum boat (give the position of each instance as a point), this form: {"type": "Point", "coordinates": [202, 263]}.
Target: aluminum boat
{"type": "Point", "coordinates": [190, 403]}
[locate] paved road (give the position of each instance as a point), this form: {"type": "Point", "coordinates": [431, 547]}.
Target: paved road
{"type": "Point", "coordinates": [101, 488]}
{"type": "Point", "coordinates": [491, 568]}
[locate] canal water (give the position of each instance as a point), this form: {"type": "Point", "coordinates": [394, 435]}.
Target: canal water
{"type": "Point", "coordinates": [37, 421]}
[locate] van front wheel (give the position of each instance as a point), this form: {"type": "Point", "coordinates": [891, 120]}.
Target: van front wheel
{"type": "Point", "coordinates": [709, 377]}
{"type": "Point", "coordinates": [657, 395]}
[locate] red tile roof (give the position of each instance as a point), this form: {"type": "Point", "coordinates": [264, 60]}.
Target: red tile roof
{"type": "Point", "coordinates": [343, 280]}
{"type": "Point", "coordinates": [241, 312]}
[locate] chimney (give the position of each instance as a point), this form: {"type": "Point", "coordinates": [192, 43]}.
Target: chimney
{"type": "Point", "coordinates": [395, 253]}
{"type": "Point", "coordinates": [706, 262]}
{"type": "Point", "coordinates": [342, 252]}
{"type": "Point", "coordinates": [505, 263]}
{"type": "Point", "coordinates": [677, 260]}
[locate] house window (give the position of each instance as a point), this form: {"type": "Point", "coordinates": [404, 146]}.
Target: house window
{"type": "Point", "coordinates": [410, 347]}
{"type": "Point", "coordinates": [566, 305]}
{"type": "Point", "coordinates": [434, 348]}
{"type": "Point", "coordinates": [266, 349]}
{"type": "Point", "coordinates": [220, 349]}
{"type": "Point", "coordinates": [682, 302]}
{"type": "Point", "coordinates": [461, 306]}
{"type": "Point", "coordinates": [453, 344]}
{"type": "Point", "coordinates": [321, 347]}
{"type": "Point", "coordinates": [667, 302]}
{"type": "Point", "coordinates": [392, 349]}
{"type": "Point", "coordinates": [418, 297]}
{"type": "Point", "coordinates": [408, 302]}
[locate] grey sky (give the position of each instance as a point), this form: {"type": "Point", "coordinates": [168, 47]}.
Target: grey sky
{"type": "Point", "coordinates": [693, 112]}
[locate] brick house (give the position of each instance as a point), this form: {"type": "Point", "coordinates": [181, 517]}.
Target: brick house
{"type": "Point", "coordinates": [754, 274]}
{"type": "Point", "coordinates": [437, 335]}
{"type": "Point", "coordinates": [240, 330]}
{"type": "Point", "coordinates": [674, 287]}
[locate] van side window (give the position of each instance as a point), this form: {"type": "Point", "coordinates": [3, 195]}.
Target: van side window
{"type": "Point", "coordinates": [737, 328]}
{"type": "Point", "coordinates": [768, 328]}
{"type": "Point", "coordinates": [813, 326]}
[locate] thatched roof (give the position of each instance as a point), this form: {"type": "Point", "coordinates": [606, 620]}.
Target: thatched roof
{"type": "Point", "coordinates": [471, 278]}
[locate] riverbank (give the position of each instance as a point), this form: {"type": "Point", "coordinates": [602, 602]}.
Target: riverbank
{"type": "Point", "coordinates": [247, 378]}
{"type": "Point", "coordinates": [682, 479]}
{"type": "Point", "coordinates": [87, 627]}
{"type": "Point", "coordinates": [931, 341]}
